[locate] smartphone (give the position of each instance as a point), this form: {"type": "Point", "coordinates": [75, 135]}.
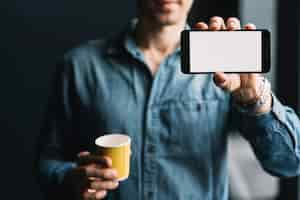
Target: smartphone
{"type": "Point", "coordinates": [241, 51]}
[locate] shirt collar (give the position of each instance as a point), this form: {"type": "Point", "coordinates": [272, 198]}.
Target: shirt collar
{"type": "Point", "coordinates": [125, 41]}
{"type": "Point", "coordinates": [130, 43]}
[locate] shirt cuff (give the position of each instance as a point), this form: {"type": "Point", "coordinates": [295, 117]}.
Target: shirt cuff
{"type": "Point", "coordinates": [265, 120]}
{"type": "Point", "coordinates": [274, 120]}
{"type": "Point", "coordinates": [276, 109]}
{"type": "Point", "coordinates": [63, 169]}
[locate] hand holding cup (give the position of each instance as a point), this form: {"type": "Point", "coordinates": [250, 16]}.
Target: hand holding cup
{"type": "Point", "coordinates": [91, 179]}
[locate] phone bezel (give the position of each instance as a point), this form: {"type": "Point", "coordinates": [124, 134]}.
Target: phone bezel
{"type": "Point", "coordinates": [185, 51]}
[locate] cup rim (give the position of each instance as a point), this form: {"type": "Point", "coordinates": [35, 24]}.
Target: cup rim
{"type": "Point", "coordinates": [126, 138]}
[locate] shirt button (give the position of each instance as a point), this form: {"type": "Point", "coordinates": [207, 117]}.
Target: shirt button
{"type": "Point", "coordinates": [151, 148]}
{"type": "Point", "coordinates": [198, 107]}
{"type": "Point", "coordinates": [150, 194]}
{"type": "Point", "coordinates": [111, 50]}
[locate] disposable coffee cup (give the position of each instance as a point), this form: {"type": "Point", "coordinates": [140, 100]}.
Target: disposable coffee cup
{"type": "Point", "coordinates": [117, 147]}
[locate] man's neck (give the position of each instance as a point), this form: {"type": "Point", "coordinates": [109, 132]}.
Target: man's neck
{"type": "Point", "coordinates": [162, 38]}
{"type": "Point", "coordinates": [157, 41]}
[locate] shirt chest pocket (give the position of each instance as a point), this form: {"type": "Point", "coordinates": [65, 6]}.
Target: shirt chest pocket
{"type": "Point", "coordinates": [189, 127]}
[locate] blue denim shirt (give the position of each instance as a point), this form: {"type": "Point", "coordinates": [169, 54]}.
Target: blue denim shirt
{"type": "Point", "coordinates": [178, 123]}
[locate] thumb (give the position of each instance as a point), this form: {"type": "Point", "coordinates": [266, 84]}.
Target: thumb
{"type": "Point", "coordinates": [227, 82]}
{"type": "Point", "coordinates": [222, 80]}
{"type": "Point", "coordinates": [83, 153]}
{"type": "Point", "coordinates": [219, 78]}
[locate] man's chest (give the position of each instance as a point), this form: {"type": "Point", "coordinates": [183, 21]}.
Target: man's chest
{"type": "Point", "coordinates": [172, 108]}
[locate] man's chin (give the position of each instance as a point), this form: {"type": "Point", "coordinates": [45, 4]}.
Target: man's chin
{"type": "Point", "coordinates": [167, 20]}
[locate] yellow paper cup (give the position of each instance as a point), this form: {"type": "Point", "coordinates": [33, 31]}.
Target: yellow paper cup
{"type": "Point", "coordinates": [117, 147]}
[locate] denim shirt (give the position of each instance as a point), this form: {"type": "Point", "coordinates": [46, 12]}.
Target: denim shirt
{"type": "Point", "coordinates": [178, 123]}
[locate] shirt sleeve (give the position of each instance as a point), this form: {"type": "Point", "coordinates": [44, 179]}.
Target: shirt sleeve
{"type": "Point", "coordinates": [274, 137]}
{"type": "Point", "coordinates": [53, 156]}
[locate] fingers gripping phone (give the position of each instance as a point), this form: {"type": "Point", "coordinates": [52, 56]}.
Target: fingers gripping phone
{"type": "Point", "coordinates": [241, 51]}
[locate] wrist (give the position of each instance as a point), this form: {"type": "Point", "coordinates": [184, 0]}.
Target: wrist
{"type": "Point", "coordinates": [266, 107]}
{"type": "Point", "coordinates": [260, 104]}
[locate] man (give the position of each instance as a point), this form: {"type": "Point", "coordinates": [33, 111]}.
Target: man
{"type": "Point", "coordinates": [132, 84]}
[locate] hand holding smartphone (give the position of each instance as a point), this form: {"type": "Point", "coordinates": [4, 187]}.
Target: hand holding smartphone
{"type": "Point", "coordinates": [240, 51]}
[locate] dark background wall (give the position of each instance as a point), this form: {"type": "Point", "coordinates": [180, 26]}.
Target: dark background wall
{"type": "Point", "coordinates": [288, 89]}
{"type": "Point", "coordinates": [33, 35]}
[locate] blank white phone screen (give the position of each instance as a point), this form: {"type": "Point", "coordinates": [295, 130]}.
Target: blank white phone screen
{"type": "Point", "coordinates": [223, 51]}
